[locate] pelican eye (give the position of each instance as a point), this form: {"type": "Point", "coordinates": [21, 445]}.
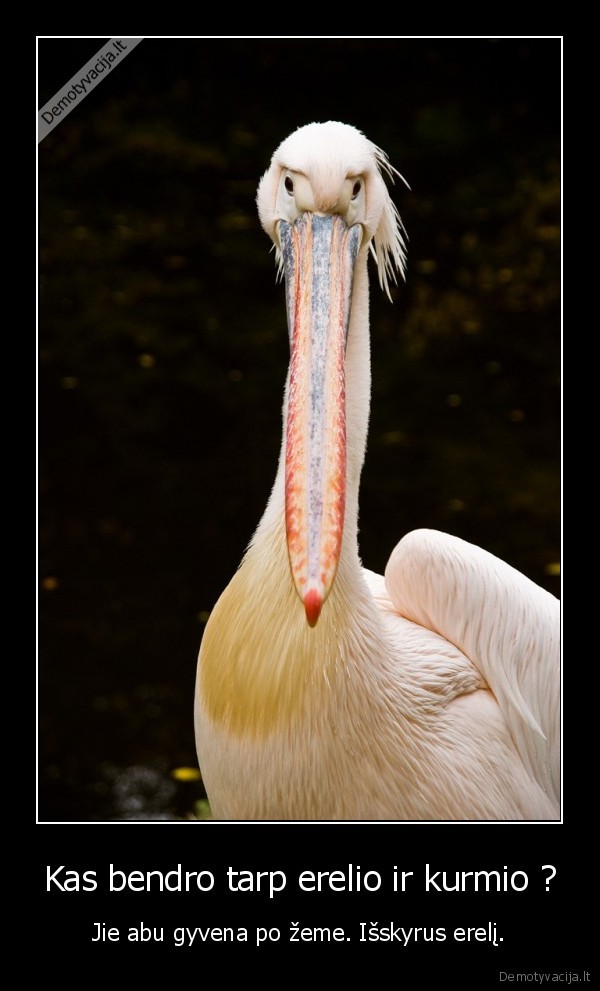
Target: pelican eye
{"type": "Point", "coordinates": [356, 189]}
{"type": "Point", "coordinates": [289, 185]}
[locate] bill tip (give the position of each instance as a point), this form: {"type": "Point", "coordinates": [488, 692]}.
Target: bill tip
{"type": "Point", "coordinates": [313, 602]}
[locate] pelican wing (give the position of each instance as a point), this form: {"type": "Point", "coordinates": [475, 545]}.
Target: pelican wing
{"type": "Point", "coordinates": [507, 626]}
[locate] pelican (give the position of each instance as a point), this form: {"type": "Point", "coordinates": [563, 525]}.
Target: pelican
{"type": "Point", "coordinates": [325, 691]}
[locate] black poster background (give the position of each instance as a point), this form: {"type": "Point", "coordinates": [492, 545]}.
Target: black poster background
{"type": "Point", "coordinates": [545, 929]}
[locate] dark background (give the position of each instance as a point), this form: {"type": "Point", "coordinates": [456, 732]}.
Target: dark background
{"type": "Point", "coordinates": [163, 353]}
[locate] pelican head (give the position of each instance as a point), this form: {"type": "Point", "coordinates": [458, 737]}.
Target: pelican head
{"type": "Point", "coordinates": [324, 203]}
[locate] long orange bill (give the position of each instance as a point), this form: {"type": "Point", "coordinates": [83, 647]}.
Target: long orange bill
{"type": "Point", "coordinates": [319, 253]}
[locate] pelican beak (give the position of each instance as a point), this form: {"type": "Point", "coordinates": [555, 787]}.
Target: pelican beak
{"type": "Point", "coordinates": [319, 253]}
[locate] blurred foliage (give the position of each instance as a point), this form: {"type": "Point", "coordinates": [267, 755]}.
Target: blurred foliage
{"type": "Point", "coordinates": [163, 351]}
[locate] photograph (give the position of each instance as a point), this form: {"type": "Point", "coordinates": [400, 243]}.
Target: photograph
{"type": "Point", "coordinates": [167, 352]}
